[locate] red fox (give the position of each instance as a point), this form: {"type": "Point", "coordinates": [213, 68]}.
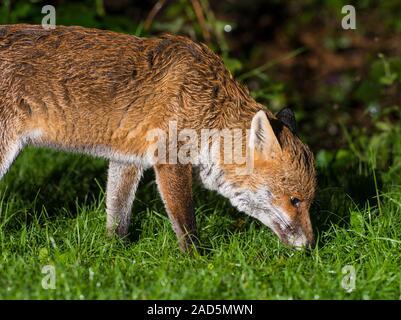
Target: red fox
{"type": "Point", "coordinates": [101, 93]}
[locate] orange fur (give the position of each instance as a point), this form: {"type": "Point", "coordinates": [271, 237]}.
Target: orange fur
{"type": "Point", "coordinates": [82, 89]}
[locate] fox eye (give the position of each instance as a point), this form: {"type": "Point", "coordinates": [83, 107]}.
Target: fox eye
{"type": "Point", "coordinates": [295, 201]}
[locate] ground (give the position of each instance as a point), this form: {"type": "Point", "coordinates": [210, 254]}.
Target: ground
{"type": "Point", "coordinates": [52, 214]}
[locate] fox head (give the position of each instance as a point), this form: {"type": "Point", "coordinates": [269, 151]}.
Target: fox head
{"type": "Point", "coordinates": [280, 188]}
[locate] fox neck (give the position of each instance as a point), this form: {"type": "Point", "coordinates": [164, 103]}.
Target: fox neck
{"type": "Point", "coordinates": [236, 116]}
{"type": "Point", "coordinates": [233, 115]}
{"type": "Point", "coordinates": [214, 178]}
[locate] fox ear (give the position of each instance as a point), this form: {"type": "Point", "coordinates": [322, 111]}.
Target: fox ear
{"type": "Point", "coordinates": [262, 137]}
{"type": "Point", "coordinates": [287, 117]}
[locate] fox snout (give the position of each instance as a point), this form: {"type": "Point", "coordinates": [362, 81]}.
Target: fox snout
{"type": "Point", "coordinates": [298, 236]}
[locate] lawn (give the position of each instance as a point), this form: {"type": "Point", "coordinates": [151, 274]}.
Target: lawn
{"type": "Point", "coordinates": [52, 213]}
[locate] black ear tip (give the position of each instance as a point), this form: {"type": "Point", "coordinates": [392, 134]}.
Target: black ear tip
{"type": "Point", "coordinates": [287, 117]}
{"type": "Point", "coordinates": [286, 111]}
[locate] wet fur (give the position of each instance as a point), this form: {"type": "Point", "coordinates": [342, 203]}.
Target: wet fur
{"type": "Point", "coordinates": [100, 92]}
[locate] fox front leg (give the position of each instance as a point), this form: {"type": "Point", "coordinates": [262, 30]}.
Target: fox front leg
{"type": "Point", "coordinates": [9, 149]}
{"type": "Point", "coordinates": [175, 187]}
{"type": "Point", "coordinates": [122, 182]}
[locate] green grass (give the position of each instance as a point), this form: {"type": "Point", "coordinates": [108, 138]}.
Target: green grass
{"type": "Point", "coordinates": [52, 213]}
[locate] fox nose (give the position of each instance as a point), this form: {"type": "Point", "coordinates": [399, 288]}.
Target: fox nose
{"type": "Point", "coordinates": [300, 240]}
{"type": "Point", "coordinates": [297, 237]}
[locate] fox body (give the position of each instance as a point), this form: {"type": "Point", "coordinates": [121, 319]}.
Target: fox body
{"type": "Point", "coordinates": [100, 93]}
